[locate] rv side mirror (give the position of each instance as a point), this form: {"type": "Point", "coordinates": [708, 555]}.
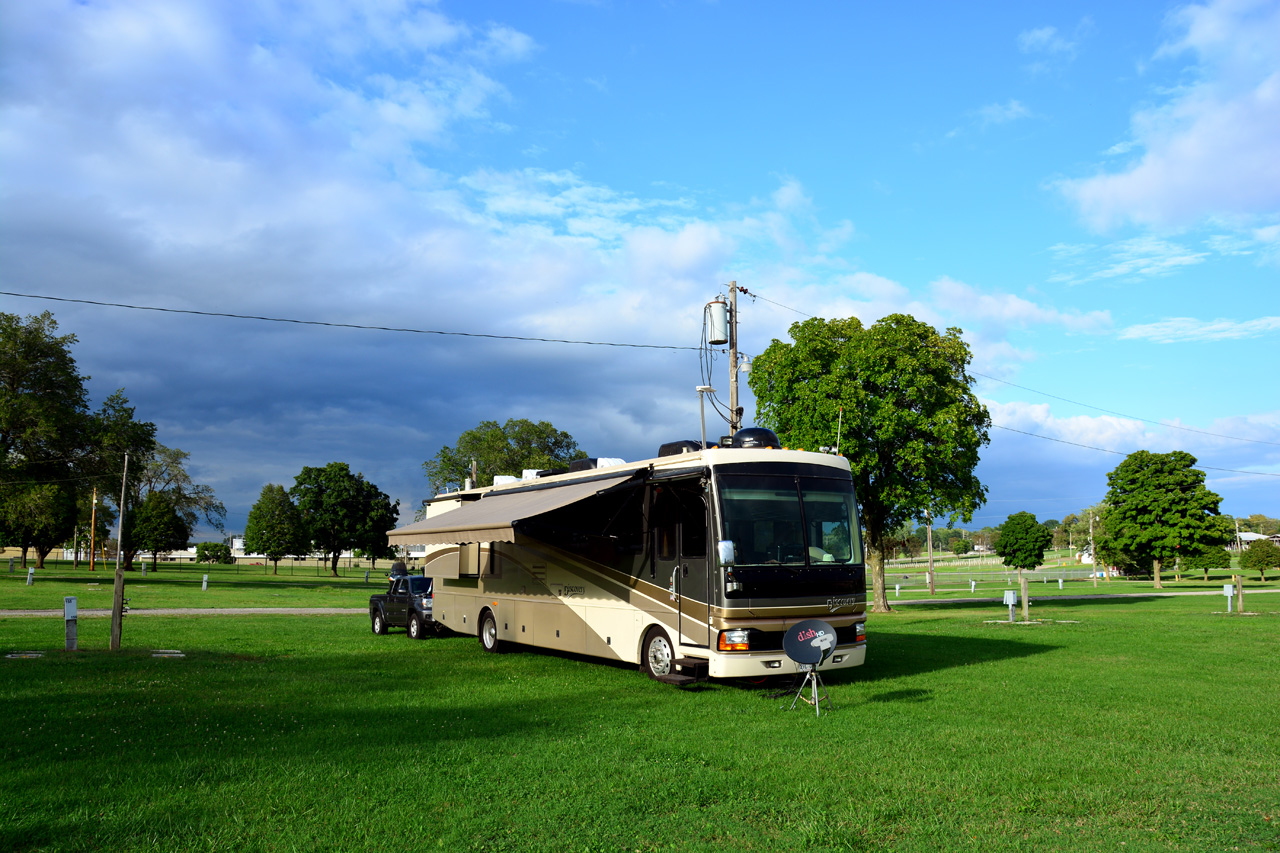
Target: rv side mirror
{"type": "Point", "coordinates": [726, 552]}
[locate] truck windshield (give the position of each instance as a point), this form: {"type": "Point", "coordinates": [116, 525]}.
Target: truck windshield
{"type": "Point", "coordinates": [419, 585]}
{"type": "Point", "coordinates": [794, 521]}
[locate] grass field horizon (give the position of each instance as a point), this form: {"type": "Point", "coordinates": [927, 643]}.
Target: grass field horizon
{"type": "Point", "coordinates": [1135, 724]}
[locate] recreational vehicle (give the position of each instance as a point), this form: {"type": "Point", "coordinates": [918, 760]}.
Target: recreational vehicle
{"type": "Point", "coordinates": [692, 564]}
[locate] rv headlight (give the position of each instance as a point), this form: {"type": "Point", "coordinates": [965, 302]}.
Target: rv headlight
{"type": "Point", "coordinates": [734, 641]}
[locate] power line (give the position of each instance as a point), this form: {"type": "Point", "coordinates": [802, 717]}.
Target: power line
{"type": "Point", "coordinates": [344, 325]}
{"type": "Point", "coordinates": [1122, 415]}
{"type": "Point", "coordinates": [1122, 453]}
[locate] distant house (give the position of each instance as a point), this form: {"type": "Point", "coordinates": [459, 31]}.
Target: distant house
{"type": "Point", "coordinates": [1244, 539]}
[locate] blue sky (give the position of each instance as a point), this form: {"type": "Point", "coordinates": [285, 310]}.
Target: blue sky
{"type": "Point", "coordinates": [1090, 191]}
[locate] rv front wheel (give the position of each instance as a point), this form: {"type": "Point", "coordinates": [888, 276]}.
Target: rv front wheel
{"type": "Point", "coordinates": [657, 658]}
{"type": "Point", "coordinates": [489, 632]}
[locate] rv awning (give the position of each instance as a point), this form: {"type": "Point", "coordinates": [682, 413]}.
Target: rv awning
{"type": "Point", "coordinates": [492, 518]}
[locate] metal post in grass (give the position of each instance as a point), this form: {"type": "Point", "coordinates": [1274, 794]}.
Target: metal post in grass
{"type": "Point", "coordinates": [117, 596]}
{"type": "Point", "coordinates": [1228, 591]}
{"type": "Point", "coordinates": [31, 576]}
{"type": "Point", "coordinates": [69, 619]}
{"type": "Point", "coordinates": [1011, 601]}
{"type": "Point", "coordinates": [204, 585]}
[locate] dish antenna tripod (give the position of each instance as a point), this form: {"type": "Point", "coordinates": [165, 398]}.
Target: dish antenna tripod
{"type": "Point", "coordinates": [809, 644]}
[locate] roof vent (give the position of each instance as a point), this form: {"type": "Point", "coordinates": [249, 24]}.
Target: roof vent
{"type": "Point", "coordinates": [688, 445]}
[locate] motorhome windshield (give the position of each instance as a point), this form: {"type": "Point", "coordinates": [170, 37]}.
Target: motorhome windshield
{"type": "Point", "coordinates": [790, 520]}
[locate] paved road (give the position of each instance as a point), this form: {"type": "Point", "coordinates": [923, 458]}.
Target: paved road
{"type": "Point", "coordinates": [199, 611]}
{"type": "Point", "coordinates": [1051, 598]}
{"type": "Point", "coordinates": [346, 611]}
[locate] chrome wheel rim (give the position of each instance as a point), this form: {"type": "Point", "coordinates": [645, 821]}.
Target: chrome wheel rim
{"type": "Point", "coordinates": [659, 656]}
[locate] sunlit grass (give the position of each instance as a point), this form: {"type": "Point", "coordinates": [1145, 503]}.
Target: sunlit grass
{"type": "Point", "coordinates": [1123, 724]}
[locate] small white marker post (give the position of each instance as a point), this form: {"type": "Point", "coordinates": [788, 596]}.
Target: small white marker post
{"type": "Point", "coordinates": [1228, 590]}
{"type": "Point", "coordinates": [31, 576]}
{"type": "Point", "coordinates": [1011, 601]}
{"type": "Point", "coordinates": [973, 585]}
{"type": "Point", "coordinates": [69, 617]}
{"type": "Point", "coordinates": [897, 590]}
{"type": "Point", "coordinates": [1059, 583]}
{"type": "Point", "coordinates": [204, 585]}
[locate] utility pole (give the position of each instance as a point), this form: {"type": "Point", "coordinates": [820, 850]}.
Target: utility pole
{"type": "Point", "coordinates": [93, 526]}
{"type": "Point", "coordinates": [735, 413]}
{"type": "Point", "coordinates": [117, 598]}
{"type": "Point", "coordinates": [1093, 552]}
{"type": "Point", "coordinates": [929, 535]}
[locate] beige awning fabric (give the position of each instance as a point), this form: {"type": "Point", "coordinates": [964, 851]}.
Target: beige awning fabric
{"type": "Point", "coordinates": [491, 518]}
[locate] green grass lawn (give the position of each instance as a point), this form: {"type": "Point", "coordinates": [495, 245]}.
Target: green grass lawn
{"type": "Point", "coordinates": [1124, 725]}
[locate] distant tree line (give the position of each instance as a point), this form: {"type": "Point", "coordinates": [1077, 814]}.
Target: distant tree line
{"type": "Point", "coordinates": [327, 510]}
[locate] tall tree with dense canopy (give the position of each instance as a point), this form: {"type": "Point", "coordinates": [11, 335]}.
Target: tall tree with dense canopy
{"type": "Point", "coordinates": [912, 426]}
{"type": "Point", "coordinates": [339, 508]}
{"type": "Point", "coordinates": [1260, 556]}
{"type": "Point", "coordinates": [1158, 508]}
{"type": "Point", "coordinates": [1023, 540]}
{"type": "Point", "coordinates": [275, 528]}
{"type": "Point", "coordinates": [154, 525]}
{"type": "Point", "coordinates": [509, 448]}
{"type": "Point", "coordinates": [1206, 559]}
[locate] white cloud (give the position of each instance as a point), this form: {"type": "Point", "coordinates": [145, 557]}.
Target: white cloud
{"type": "Point", "coordinates": [1003, 113]}
{"type": "Point", "coordinates": [1186, 329]}
{"type": "Point", "coordinates": [969, 305]}
{"type": "Point", "coordinates": [1132, 259]}
{"type": "Point", "coordinates": [1210, 150]}
{"type": "Point", "coordinates": [1044, 40]}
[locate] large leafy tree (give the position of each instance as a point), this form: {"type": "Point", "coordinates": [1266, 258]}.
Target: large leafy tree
{"type": "Point", "coordinates": [1260, 556]}
{"type": "Point", "coordinates": [275, 527]}
{"type": "Point", "coordinates": [339, 510]}
{"type": "Point", "coordinates": [1206, 559]}
{"type": "Point", "coordinates": [1159, 508]}
{"type": "Point", "coordinates": [1023, 540]}
{"type": "Point", "coordinates": [154, 525]}
{"type": "Point", "coordinates": [164, 470]}
{"type": "Point", "coordinates": [43, 428]}
{"type": "Point", "coordinates": [912, 426]}
{"type": "Point", "coordinates": [508, 448]}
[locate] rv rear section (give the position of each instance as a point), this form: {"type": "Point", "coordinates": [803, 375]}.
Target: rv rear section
{"type": "Point", "coordinates": [690, 565]}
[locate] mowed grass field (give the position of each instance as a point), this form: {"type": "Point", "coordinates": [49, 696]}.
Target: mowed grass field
{"type": "Point", "coordinates": [1128, 724]}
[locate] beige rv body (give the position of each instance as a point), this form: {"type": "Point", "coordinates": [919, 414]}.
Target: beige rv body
{"type": "Point", "coordinates": [544, 595]}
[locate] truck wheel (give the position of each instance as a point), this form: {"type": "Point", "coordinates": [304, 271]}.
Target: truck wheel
{"type": "Point", "coordinates": [657, 655]}
{"type": "Point", "coordinates": [415, 627]}
{"type": "Point", "coordinates": [379, 623]}
{"type": "Point", "coordinates": [489, 632]}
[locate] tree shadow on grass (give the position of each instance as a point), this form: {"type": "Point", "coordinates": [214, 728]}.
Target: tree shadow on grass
{"type": "Point", "coordinates": [892, 655]}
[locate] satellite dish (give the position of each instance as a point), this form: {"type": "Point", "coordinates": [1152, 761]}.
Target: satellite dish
{"type": "Point", "coordinates": [810, 642]}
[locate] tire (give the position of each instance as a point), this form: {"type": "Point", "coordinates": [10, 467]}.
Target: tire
{"type": "Point", "coordinates": [379, 622]}
{"type": "Point", "coordinates": [489, 633]}
{"type": "Point", "coordinates": [657, 655]}
{"type": "Point", "coordinates": [415, 627]}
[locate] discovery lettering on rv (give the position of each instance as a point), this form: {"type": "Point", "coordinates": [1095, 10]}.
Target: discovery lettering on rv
{"type": "Point", "coordinates": [834, 604]}
{"type": "Point", "coordinates": [566, 591]}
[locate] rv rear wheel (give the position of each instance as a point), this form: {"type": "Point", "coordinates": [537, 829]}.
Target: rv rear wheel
{"type": "Point", "coordinates": [657, 655]}
{"type": "Point", "coordinates": [489, 632]}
